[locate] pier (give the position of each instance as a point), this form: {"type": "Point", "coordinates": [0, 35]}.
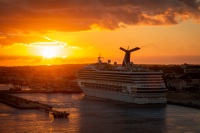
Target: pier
{"type": "Point", "coordinates": [21, 103]}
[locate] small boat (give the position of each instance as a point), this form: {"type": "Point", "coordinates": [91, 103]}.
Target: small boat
{"type": "Point", "coordinates": [60, 114]}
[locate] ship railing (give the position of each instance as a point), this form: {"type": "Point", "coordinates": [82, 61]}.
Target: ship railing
{"type": "Point", "coordinates": [95, 69]}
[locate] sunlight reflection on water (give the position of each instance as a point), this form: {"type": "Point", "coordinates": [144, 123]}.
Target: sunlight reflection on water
{"type": "Point", "coordinates": [88, 115]}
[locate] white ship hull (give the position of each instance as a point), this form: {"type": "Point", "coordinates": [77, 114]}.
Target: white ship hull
{"type": "Point", "coordinates": [136, 98]}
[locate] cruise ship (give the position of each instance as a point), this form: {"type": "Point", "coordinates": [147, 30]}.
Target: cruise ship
{"type": "Point", "coordinates": [127, 82]}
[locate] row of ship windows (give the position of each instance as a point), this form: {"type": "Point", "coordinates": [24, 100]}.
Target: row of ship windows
{"type": "Point", "coordinates": [155, 94]}
{"type": "Point", "coordinates": [151, 85]}
{"type": "Point", "coordinates": [151, 96]}
{"type": "Point", "coordinates": [135, 78]}
{"type": "Point", "coordinates": [135, 81]}
{"type": "Point", "coordinates": [148, 79]}
{"type": "Point", "coordinates": [125, 79]}
{"type": "Point", "coordinates": [121, 76]}
{"type": "Point", "coordinates": [148, 82]}
{"type": "Point", "coordinates": [104, 87]}
{"type": "Point", "coordinates": [146, 89]}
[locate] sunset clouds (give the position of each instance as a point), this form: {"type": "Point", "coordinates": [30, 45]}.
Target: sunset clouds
{"type": "Point", "coordinates": [79, 30]}
{"type": "Point", "coordinates": [80, 15]}
{"type": "Point", "coordinates": [11, 39]}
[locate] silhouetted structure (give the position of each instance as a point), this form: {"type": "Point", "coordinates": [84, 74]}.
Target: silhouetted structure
{"type": "Point", "coordinates": [128, 55]}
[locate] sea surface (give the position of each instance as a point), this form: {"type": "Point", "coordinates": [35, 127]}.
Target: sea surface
{"type": "Point", "coordinates": [92, 115]}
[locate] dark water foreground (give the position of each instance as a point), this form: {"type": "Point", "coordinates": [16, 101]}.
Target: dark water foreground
{"type": "Point", "coordinates": [89, 115]}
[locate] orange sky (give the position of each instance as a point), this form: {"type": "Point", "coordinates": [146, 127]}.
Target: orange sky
{"type": "Point", "coordinates": [68, 31]}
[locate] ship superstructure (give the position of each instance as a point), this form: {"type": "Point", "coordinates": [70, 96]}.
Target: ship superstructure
{"type": "Point", "coordinates": [128, 83]}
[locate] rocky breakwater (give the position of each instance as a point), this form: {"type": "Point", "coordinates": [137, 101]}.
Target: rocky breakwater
{"type": "Point", "coordinates": [22, 103]}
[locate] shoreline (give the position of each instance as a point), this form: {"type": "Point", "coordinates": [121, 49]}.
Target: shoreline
{"type": "Point", "coordinates": [188, 104]}
{"type": "Point", "coordinates": [183, 99]}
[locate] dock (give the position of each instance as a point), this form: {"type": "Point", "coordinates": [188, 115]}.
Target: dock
{"type": "Point", "coordinates": [21, 103]}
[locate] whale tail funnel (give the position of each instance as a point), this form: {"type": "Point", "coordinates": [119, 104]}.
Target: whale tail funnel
{"type": "Point", "coordinates": [128, 54]}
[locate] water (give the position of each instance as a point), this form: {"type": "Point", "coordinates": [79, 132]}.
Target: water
{"type": "Point", "coordinates": [90, 115]}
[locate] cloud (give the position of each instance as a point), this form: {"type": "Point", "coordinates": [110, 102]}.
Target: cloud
{"type": "Point", "coordinates": [10, 39]}
{"type": "Point", "coordinates": [20, 57]}
{"type": "Point", "coordinates": [80, 15]}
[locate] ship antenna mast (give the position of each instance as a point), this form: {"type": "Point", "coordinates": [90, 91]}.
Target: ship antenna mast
{"type": "Point", "coordinates": [99, 59]}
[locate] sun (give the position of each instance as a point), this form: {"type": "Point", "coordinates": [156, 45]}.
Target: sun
{"type": "Point", "coordinates": [49, 52]}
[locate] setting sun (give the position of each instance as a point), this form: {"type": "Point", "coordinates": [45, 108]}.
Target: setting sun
{"type": "Point", "coordinates": [49, 52]}
{"type": "Point", "coordinates": [167, 32]}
